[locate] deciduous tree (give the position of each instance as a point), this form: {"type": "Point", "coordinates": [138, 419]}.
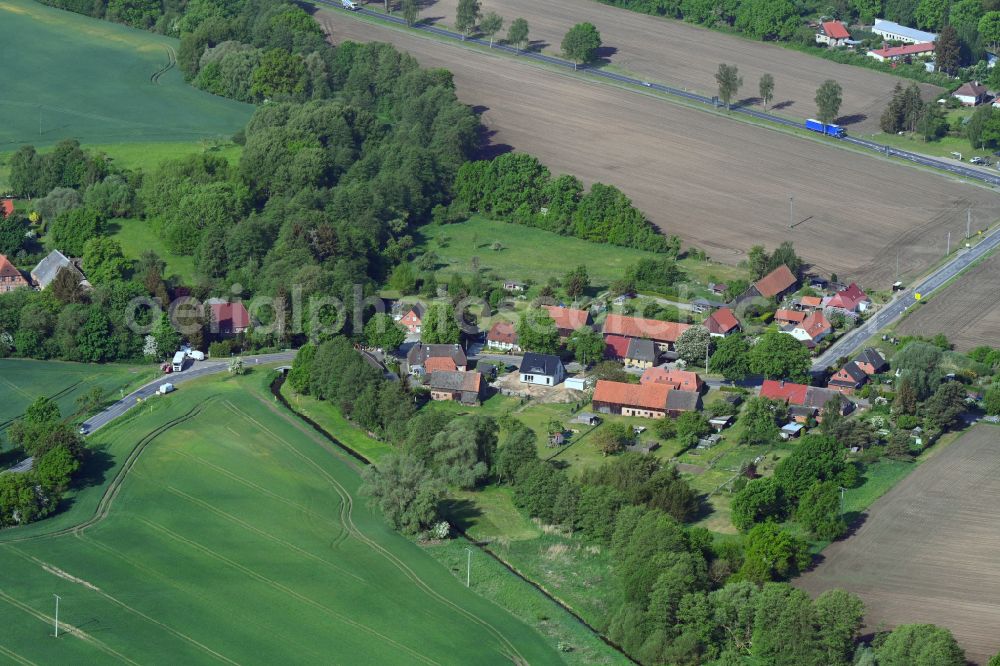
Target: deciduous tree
{"type": "Point", "coordinates": [778, 355]}
{"type": "Point", "coordinates": [757, 501]}
{"type": "Point", "coordinates": [819, 511]}
{"type": "Point", "coordinates": [384, 333]}
{"type": "Point", "coordinates": [694, 345]}
{"type": "Point", "coordinates": [766, 89]}
{"type": "Point", "coordinates": [491, 25]}
{"type": "Point", "coordinates": [581, 43]}
{"type": "Point", "coordinates": [920, 645]}
{"type": "Point", "coordinates": [517, 34]}
{"type": "Point", "coordinates": [466, 16]}
{"type": "Point", "coordinates": [729, 80]}
{"type": "Point", "coordinates": [405, 491]}
{"type": "Point", "coordinates": [828, 99]}
{"type": "Point", "coordinates": [587, 345]}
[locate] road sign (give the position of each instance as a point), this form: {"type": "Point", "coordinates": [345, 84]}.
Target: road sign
{"type": "Point", "coordinates": [916, 296]}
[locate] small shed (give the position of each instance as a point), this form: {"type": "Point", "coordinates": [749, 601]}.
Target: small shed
{"type": "Point", "coordinates": [720, 422]}
{"type": "Point", "coordinates": [710, 441]}
{"type": "Point", "coordinates": [577, 383]}
{"type": "Point", "coordinates": [791, 430]}
{"type": "Point", "coordinates": [587, 418]}
{"type": "Point", "coordinates": [643, 447]}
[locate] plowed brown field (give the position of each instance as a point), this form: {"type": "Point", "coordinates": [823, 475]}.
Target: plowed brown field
{"type": "Point", "coordinates": [928, 551]}
{"type": "Point", "coordinates": [720, 184]}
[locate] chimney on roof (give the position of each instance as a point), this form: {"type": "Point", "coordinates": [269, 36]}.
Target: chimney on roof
{"type": "Point", "coordinates": [782, 383]}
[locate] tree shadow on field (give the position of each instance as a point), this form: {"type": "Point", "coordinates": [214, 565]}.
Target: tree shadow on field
{"type": "Point", "coordinates": [487, 148]}
{"type": "Point", "coordinates": [602, 56]}
{"type": "Point", "coordinates": [747, 101]}
{"type": "Point", "coordinates": [851, 119]}
{"type": "Point", "coordinates": [537, 45]}
{"type": "Point", "coordinates": [460, 512]}
{"type": "Point", "coordinates": [94, 468]}
{"type": "Point", "coordinates": [782, 105]}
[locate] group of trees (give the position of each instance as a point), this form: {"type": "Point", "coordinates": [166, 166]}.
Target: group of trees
{"type": "Point", "coordinates": [57, 451]}
{"type": "Point", "coordinates": [775, 355]}
{"type": "Point", "coordinates": [908, 112]}
{"type": "Point", "coordinates": [517, 188]}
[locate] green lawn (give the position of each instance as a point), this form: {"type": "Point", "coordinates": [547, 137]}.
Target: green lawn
{"type": "Point", "coordinates": [137, 236]}
{"type": "Point", "coordinates": [941, 148]}
{"type": "Point", "coordinates": [69, 76]}
{"type": "Point", "coordinates": [236, 535]}
{"type": "Point", "coordinates": [537, 255]}
{"type": "Point", "coordinates": [21, 381]}
{"type": "Point", "coordinates": [490, 514]}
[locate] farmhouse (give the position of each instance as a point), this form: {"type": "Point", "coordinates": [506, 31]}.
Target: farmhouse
{"type": "Point", "coordinates": [786, 317]}
{"type": "Point", "coordinates": [813, 328]}
{"type": "Point", "coordinates": [641, 353]}
{"type": "Point", "coordinates": [463, 387]}
{"type": "Point", "coordinates": [543, 369]}
{"type": "Point", "coordinates": [646, 400]}
{"type": "Point", "coordinates": [832, 33]}
{"type": "Point", "coordinates": [809, 303]}
{"type": "Point", "coordinates": [10, 277]}
{"type": "Point", "coordinates": [804, 402]}
{"type": "Point", "coordinates": [774, 285]}
{"type": "Point", "coordinates": [895, 32]}
{"type": "Point", "coordinates": [851, 299]}
{"type": "Point", "coordinates": [228, 318]}
{"type": "Point", "coordinates": [616, 347]}
{"type": "Point", "coordinates": [848, 379]}
{"type": "Point", "coordinates": [48, 268]}
{"type": "Point", "coordinates": [413, 320]}
{"type": "Point", "coordinates": [6, 208]}
{"type": "Point", "coordinates": [663, 333]}
{"type": "Point", "coordinates": [970, 94]}
{"type": "Point", "coordinates": [871, 361]}
{"type": "Point", "coordinates": [894, 53]}
{"type": "Point", "coordinates": [503, 335]}
{"type": "Point", "coordinates": [679, 380]}
{"type": "Point", "coordinates": [721, 323]}
{"type": "Point", "coordinates": [420, 354]}
{"type": "Point", "coordinates": [568, 319]}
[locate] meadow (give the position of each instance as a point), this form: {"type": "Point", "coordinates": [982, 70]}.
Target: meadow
{"type": "Point", "coordinates": [70, 76]}
{"type": "Point", "coordinates": [231, 531]}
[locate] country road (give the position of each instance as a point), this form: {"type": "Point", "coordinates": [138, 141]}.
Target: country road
{"type": "Point", "coordinates": [895, 309]}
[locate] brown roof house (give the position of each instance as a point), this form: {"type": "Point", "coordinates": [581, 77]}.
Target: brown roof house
{"type": "Point", "coordinates": [503, 335]}
{"type": "Point", "coordinates": [774, 285]}
{"type": "Point", "coordinates": [413, 320]}
{"type": "Point", "coordinates": [663, 333]}
{"type": "Point", "coordinates": [813, 328]}
{"type": "Point", "coordinates": [463, 387]}
{"type": "Point", "coordinates": [721, 323]}
{"type": "Point", "coordinates": [10, 277]}
{"type": "Point", "coordinates": [970, 94]}
{"type": "Point", "coordinates": [568, 319]}
{"type": "Point", "coordinates": [419, 354]}
{"type": "Point", "coordinates": [848, 379]}
{"type": "Point", "coordinates": [650, 400]}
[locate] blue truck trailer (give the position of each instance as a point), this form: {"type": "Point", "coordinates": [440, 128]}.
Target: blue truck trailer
{"type": "Point", "coordinates": [829, 130]}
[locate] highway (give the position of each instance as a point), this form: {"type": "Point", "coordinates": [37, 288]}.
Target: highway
{"type": "Point", "coordinates": [954, 168]}
{"type": "Point", "coordinates": [895, 309]}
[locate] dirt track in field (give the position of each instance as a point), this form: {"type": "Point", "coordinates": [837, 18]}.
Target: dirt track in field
{"type": "Point", "coordinates": [720, 184]}
{"type": "Point", "coordinates": [687, 56]}
{"type": "Point", "coordinates": [967, 310]}
{"type": "Point", "coordinates": [928, 551]}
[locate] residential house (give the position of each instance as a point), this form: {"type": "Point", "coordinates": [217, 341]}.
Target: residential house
{"type": "Point", "coordinates": [718, 288]}
{"type": "Point", "coordinates": [463, 387]}
{"type": "Point", "coordinates": [902, 53]}
{"type": "Point", "coordinates": [542, 369]}
{"type": "Point", "coordinates": [721, 323]}
{"type": "Point", "coordinates": [789, 317]}
{"type": "Point", "coordinates": [641, 353]}
{"type": "Point", "coordinates": [848, 379]}
{"type": "Point", "coordinates": [970, 94]}
{"type": "Point", "coordinates": [871, 361]}
{"type": "Point", "coordinates": [6, 208]}
{"type": "Point", "coordinates": [10, 277]}
{"type": "Point", "coordinates": [810, 303]}
{"type": "Point", "coordinates": [804, 402]}
{"type": "Point", "coordinates": [413, 320]}
{"type": "Point", "coordinates": [644, 400]}
{"type": "Point", "coordinates": [813, 328]}
{"type": "Point", "coordinates": [850, 299]}
{"type": "Point", "coordinates": [832, 33]}
{"type": "Point", "coordinates": [895, 32]}
{"type": "Point", "coordinates": [440, 364]}
{"type": "Point", "coordinates": [568, 319]}
{"type": "Point", "coordinates": [774, 285]}
{"type": "Point", "coordinates": [419, 354]}
{"type": "Point", "coordinates": [679, 380]}
{"type": "Point", "coordinates": [663, 333]}
{"type": "Point", "coordinates": [48, 268]}
{"type": "Point", "coordinates": [503, 335]}
{"type": "Point", "coordinates": [616, 347]}
{"type": "Point", "coordinates": [228, 318]}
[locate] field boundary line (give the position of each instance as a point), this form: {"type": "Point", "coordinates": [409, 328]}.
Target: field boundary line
{"type": "Point", "coordinates": [15, 656]}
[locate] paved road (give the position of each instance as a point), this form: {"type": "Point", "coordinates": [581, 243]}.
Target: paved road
{"type": "Point", "coordinates": [195, 370]}
{"type": "Point", "coordinates": [951, 167]}
{"type": "Point", "coordinates": [895, 309]}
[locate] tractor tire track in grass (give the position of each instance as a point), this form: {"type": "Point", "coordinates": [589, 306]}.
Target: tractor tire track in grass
{"type": "Point", "coordinates": [13, 656]}
{"type": "Point", "coordinates": [347, 508]}
{"type": "Point", "coordinates": [171, 62]}
{"type": "Point", "coordinates": [283, 588]}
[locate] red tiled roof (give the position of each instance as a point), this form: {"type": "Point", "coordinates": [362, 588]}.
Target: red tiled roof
{"type": "Point", "coordinates": [681, 380]}
{"type": "Point", "coordinates": [777, 281]}
{"type": "Point", "coordinates": [784, 391]}
{"type": "Point", "coordinates": [568, 319]}
{"type": "Point", "coordinates": [615, 346]}
{"type": "Point", "coordinates": [908, 49]}
{"type": "Point", "coordinates": [811, 301]}
{"type": "Point", "coordinates": [634, 327]}
{"type": "Point", "coordinates": [848, 299]}
{"type": "Point", "coordinates": [230, 316]}
{"type": "Point", "coordinates": [8, 270]}
{"type": "Point", "coordinates": [503, 331]}
{"type": "Point", "coordinates": [793, 316]}
{"type": "Point", "coordinates": [836, 30]}
{"type": "Point", "coordinates": [439, 364]}
{"type": "Point", "coordinates": [6, 207]}
{"type": "Point", "coordinates": [815, 325]}
{"type": "Point", "coordinates": [722, 321]}
{"type": "Point", "coordinates": [644, 396]}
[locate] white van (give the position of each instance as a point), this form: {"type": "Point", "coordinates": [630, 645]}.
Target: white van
{"type": "Point", "coordinates": [165, 389]}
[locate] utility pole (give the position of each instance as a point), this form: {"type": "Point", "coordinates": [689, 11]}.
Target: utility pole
{"type": "Point", "coordinates": [968, 223]}
{"type": "Point", "coordinates": [707, 345]}
{"type": "Point", "coordinates": [791, 211]}
{"type": "Point", "coordinates": [897, 265]}
{"type": "Point", "coordinates": [468, 567]}
{"type": "Point", "coordinates": [57, 615]}
{"type": "Point", "coordinates": [842, 501]}
{"type": "Point", "coordinates": [948, 251]}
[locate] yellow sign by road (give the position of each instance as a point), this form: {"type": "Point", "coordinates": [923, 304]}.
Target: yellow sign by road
{"type": "Point", "coordinates": [917, 296]}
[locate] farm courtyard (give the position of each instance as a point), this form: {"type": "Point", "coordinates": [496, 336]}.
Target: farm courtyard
{"type": "Point", "coordinates": [719, 184]}
{"type": "Point", "coordinates": [927, 550]}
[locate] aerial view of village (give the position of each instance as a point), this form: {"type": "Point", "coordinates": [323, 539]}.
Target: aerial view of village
{"type": "Point", "coordinates": [587, 332]}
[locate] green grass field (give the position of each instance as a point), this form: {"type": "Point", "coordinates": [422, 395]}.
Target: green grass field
{"type": "Point", "coordinates": [230, 531]}
{"type": "Point", "coordinates": [69, 76]}
{"type": "Point", "coordinates": [537, 255]}
{"type": "Point", "coordinates": [137, 236]}
{"type": "Point", "coordinates": [21, 381]}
